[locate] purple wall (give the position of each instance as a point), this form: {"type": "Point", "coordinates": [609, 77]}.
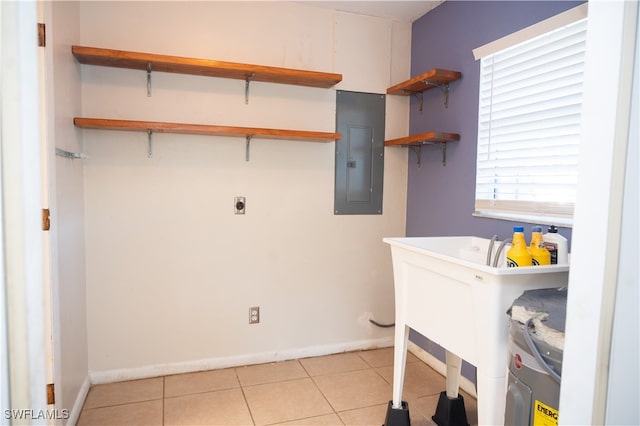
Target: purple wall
{"type": "Point", "coordinates": [440, 199]}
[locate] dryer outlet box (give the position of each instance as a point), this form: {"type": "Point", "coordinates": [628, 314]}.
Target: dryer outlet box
{"type": "Point", "coordinates": [239, 205]}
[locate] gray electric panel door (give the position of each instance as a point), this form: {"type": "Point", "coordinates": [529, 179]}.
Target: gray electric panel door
{"type": "Point", "coordinates": [360, 153]}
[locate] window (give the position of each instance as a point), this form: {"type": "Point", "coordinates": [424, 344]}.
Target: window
{"type": "Point", "coordinates": [529, 123]}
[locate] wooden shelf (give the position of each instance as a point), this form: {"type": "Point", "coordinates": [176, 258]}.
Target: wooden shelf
{"type": "Point", "coordinates": [415, 86]}
{"type": "Point", "coordinates": [428, 80]}
{"type": "Point", "coordinates": [204, 67]}
{"type": "Point", "coordinates": [248, 133]}
{"type": "Point", "coordinates": [423, 139]}
{"type": "Point", "coordinates": [150, 62]}
{"type": "Point", "coordinates": [203, 129]}
{"type": "Point", "coordinates": [415, 142]}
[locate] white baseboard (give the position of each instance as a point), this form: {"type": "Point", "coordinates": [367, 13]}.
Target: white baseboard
{"type": "Point", "coordinates": [465, 384]}
{"type": "Point", "coordinates": [117, 375]}
{"type": "Point", "coordinates": [74, 414]}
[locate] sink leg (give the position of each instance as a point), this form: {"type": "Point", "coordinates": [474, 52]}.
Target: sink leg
{"type": "Point", "coordinates": [454, 367]}
{"type": "Point", "coordinates": [450, 410]}
{"type": "Point", "coordinates": [398, 410]}
{"type": "Point", "coordinates": [399, 362]}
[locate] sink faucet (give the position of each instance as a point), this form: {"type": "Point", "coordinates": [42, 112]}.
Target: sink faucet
{"type": "Point", "coordinates": [500, 248]}
{"type": "Point", "coordinates": [491, 243]}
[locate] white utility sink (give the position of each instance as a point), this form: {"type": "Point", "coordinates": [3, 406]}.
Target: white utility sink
{"type": "Point", "coordinates": [445, 291]}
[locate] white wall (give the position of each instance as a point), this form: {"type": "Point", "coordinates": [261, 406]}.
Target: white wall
{"type": "Point", "coordinates": [623, 391]}
{"type": "Point", "coordinates": [71, 365]}
{"type": "Point", "coordinates": [171, 271]}
{"type": "Point", "coordinates": [600, 271]}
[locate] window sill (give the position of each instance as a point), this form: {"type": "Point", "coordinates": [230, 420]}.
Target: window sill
{"type": "Point", "coordinates": [522, 218]}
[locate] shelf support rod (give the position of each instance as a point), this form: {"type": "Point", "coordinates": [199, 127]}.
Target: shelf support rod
{"type": "Point", "coordinates": [150, 152]}
{"type": "Point", "coordinates": [247, 148]}
{"type": "Point", "coordinates": [418, 151]}
{"type": "Point", "coordinates": [149, 79]}
{"type": "Point", "coordinates": [444, 87]}
{"type": "Point", "coordinates": [443, 148]}
{"type": "Point", "coordinates": [246, 87]}
{"type": "Point", "coordinates": [73, 155]}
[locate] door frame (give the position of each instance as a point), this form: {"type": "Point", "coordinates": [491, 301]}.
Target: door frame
{"type": "Point", "coordinates": [22, 242]}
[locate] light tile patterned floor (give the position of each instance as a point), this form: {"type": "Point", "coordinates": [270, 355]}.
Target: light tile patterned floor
{"type": "Point", "coordinates": [345, 389]}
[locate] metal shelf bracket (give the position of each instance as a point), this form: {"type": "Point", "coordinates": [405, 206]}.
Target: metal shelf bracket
{"type": "Point", "coordinates": [246, 87]}
{"type": "Point", "coordinates": [442, 86]}
{"type": "Point", "coordinates": [247, 148]}
{"type": "Point", "coordinates": [443, 148]}
{"type": "Point", "coordinates": [149, 66]}
{"type": "Point", "coordinates": [417, 149]}
{"type": "Point", "coordinates": [150, 151]}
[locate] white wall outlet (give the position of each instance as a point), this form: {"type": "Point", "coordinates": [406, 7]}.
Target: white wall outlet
{"type": "Point", "coordinates": [254, 315]}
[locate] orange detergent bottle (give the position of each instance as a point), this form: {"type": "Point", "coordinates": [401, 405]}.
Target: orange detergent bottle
{"type": "Point", "coordinates": [539, 254]}
{"type": "Point", "coordinates": [518, 254]}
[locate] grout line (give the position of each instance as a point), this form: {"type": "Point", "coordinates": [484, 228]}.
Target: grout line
{"type": "Point", "coordinates": [304, 368]}
{"type": "Point", "coordinates": [308, 418]}
{"type": "Point", "coordinates": [201, 392]}
{"type": "Point", "coordinates": [321, 393]}
{"type": "Point", "coordinates": [164, 392]}
{"type": "Point", "coordinates": [244, 396]}
{"type": "Point", "coordinates": [325, 397]}
{"type": "Point", "coordinates": [364, 360]}
{"type": "Point", "coordinates": [383, 378]}
{"type": "Point", "coordinates": [276, 382]}
{"type": "Point", "coordinates": [123, 403]}
{"type": "Point", "coordinates": [308, 376]}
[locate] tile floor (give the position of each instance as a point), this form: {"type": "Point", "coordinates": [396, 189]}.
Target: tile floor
{"type": "Point", "coordinates": [345, 389]}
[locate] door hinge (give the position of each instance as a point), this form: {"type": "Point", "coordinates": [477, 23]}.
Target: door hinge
{"type": "Point", "coordinates": [46, 222]}
{"type": "Point", "coordinates": [51, 396]}
{"type": "Point", "coordinates": [42, 35]}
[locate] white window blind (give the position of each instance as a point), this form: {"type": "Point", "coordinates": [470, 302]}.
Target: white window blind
{"type": "Point", "coordinates": [529, 126]}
